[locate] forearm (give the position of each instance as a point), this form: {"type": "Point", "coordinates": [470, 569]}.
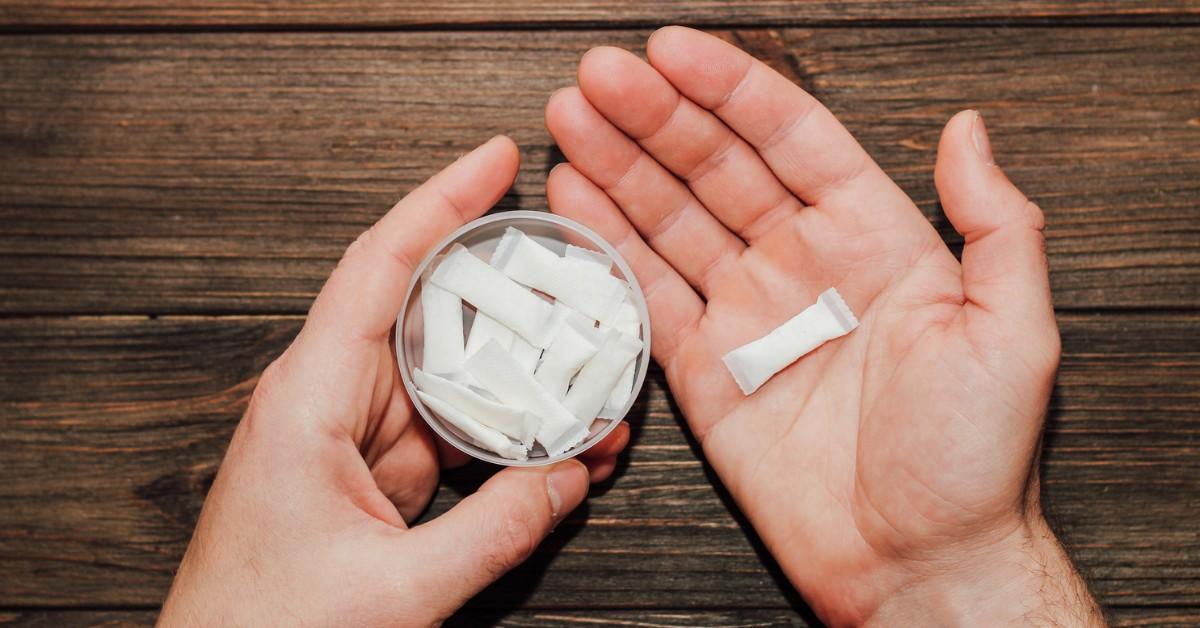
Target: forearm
{"type": "Point", "coordinates": [1028, 580]}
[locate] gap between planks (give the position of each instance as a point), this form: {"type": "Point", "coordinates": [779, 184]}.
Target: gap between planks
{"type": "Point", "coordinates": [1114, 21]}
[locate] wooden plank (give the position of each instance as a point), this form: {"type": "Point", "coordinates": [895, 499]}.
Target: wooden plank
{"type": "Point", "coordinates": [1119, 617]}
{"type": "Point", "coordinates": [224, 173]}
{"type": "Point", "coordinates": [670, 618]}
{"type": "Point", "coordinates": [111, 429]}
{"type": "Point", "coordinates": [63, 618]}
{"type": "Point", "coordinates": [756, 618]}
{"type": "Point", "coordinates": [1157, 617]}
{"type": "Point", "coordinates": [674, 618]}
{"type": "Point", "coordinates": [277, 13]}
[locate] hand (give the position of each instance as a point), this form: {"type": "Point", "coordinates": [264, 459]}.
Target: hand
{"type": "Point", "coordinates": [308, 519]}
{"type": "Point", "coordinates": [891, 472]}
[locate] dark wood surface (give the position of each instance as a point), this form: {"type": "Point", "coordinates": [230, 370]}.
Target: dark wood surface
{"type": "Point", "coordinates": [667, 618]}
{"type": "Point", "coordinates": [115, 426]}
{"type": "Point", "coordinates": [216, 173]}
{"type": "Point", "coordinates": [507, 13]}
{"type": "Point", "coordinates": [171, 200]}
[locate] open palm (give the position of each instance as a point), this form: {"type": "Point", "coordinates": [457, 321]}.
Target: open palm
{"type": "Point", "coordinates": [737, 198]}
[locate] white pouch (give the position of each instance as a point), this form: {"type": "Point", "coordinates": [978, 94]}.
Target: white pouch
{"type": "Point", "coordinates": [596, 379]}
{"type": "Point", "coordinates": [627, 322]}
{"type": "Point", "coordinates": [494, 294]}
{"type": "Point", "coordinates": [486, 328]}
{"type": "Point", "coordinates": [525, 354]}
{"type": "Point", "coordinates": [586, 326]}
{"type": "Point", "coordinates": [442, 317]}
{"type": "Point", "coordinates": [572, 281]}
{"type": "Point", "coordinates": [513, 422]}
{"type": "Point", "coordinates": [479, 433]}
{"type": "Point", "coordinates": [754, 363]}
{"type": "Point", "coordinates": [563, 359]}
{"type": "Point", "coordinates": [500, 375]}
{"type": "Point", "coordinates": [603, 262]}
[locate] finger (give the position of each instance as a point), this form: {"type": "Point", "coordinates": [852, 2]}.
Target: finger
{"type": "Point", "coordinates": [723, 171]}
{"type": "Point", "coordinates": [364, 294]}
{"type": "Point", "coordinates": [600, 469]}
{"type": "Point", "coordinates": [1003, 261]}
{"type": "Point", "coordinates": [803, 143]}
{"type": "Point", "coordinates": [449, 456]}
{"type": "Point", "coordinates": [675, 309]}
{"type": "Point", "coordinates": [495, 529]}
{"type": "Point", "coordinates": [403, 460]}
{"type": "Point", "coordinates": [612, 445]}
{"type": "Point", "coordinates": [662, 209]}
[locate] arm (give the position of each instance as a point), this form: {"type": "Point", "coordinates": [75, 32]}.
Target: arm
{"type": "Point", "coordinates": [1026, 579]}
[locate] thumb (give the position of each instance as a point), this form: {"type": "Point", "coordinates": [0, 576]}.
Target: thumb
{"type": "Point", "coordinates": [1004, 260]}
{"type": "Point", "coordinates": [495, 529]}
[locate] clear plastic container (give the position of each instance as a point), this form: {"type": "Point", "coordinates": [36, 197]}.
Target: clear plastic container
{"type": "Point", "coordinates": [480, 237]}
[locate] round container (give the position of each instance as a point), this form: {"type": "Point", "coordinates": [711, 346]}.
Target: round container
{"type": "Point", "coordinates": [480, 237]}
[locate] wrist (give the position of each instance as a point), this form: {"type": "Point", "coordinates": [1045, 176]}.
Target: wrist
{"type": "Point", "coordinates": [1024, 578]}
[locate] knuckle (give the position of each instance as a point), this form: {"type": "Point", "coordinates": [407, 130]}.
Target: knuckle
{"type": "Point", "coordinates": [1044, 348]}
{"type": "Point", "coordinates": [360, 244]}
{"type": "Point", "coordinates": [1034, 216]}
{"type": "Point", "coordinates": [268, 381]}
{"type": "Point", "coordinates": [270, 384]}
{"type": "Point", "coordinates": [1053, 349]}
{"type": "Point", "coordinates": [517, 537]}
{"type": "Point", "coordinates": [265, 395]}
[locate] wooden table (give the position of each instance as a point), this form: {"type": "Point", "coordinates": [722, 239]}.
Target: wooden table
{"type": "Point", "coordinates": [177, 178]}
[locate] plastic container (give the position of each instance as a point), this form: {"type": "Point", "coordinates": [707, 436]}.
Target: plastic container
{"type": "Point", "coordinates": [480, 237]}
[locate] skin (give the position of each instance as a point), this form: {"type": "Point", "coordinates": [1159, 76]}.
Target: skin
{"type": "Point", "coordinates": [892, 472]}
{"type": "Point", "coordinates": [310, 518]}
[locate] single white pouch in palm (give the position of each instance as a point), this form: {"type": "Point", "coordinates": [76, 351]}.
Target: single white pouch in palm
{"type": "Point", "coordinates": [504, 378]}
{"type": "Point", "coordinates": [563, 359]}
{"type": "Point", "coordinates": [572, 281]}
{"type": "Point", "coordinates": [486, 328]}
{"type": "Point", "coordinates": [442, 318]}
{"type": "Point", "coordinates": [753, 364]}
{"type": "Point", "coordinates": [480, 434]}
{"type": "Point", "coordinates": [512, 422]}
{"type": "Point", "coordinates": [596, 379]}
{"type": "Point", "coordinates": [494, 294]}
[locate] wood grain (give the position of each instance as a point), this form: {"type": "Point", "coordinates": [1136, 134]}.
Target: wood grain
{"type": "Point", "coordinates": [669, 618]}
{"type": "Point", "coordinates": [754, 618]}
{"type": "Point", "coordinates": [377, 13]}
{"type": "Point", "coordinates": [225, 173]}
{"type": "Point", "coordinates": [64, 618]}
{"type": "Point", "coordinates": [111, 429]}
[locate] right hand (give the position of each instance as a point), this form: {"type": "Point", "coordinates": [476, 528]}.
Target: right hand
{"type": "Point", "coordinates": [891, 472]}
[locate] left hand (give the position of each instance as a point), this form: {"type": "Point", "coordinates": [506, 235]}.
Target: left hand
{"type": "Point", "coordinates": [892, 473]}
{"type": "Point", "coordinates": [308, 520]}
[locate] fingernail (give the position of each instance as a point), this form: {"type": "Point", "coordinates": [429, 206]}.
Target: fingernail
{"type": "Point", "coordinates": [566, 485]}
{"type": "Point", "coordinates": [979, 136]}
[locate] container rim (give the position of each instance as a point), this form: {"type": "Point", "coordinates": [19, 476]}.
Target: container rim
{"type": "Point", "coordinates": [639, 300]}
